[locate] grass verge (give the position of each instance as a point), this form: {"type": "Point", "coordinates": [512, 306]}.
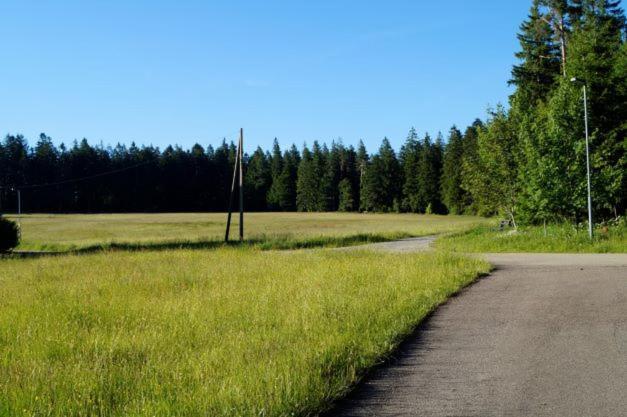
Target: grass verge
{"type": "Point", "coordinates": [558, 238]}
{"type": "Point", "coordinates": [226, 332]}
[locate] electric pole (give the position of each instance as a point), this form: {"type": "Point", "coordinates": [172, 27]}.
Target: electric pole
{"type": "Point", "coordinates": [237, 172]}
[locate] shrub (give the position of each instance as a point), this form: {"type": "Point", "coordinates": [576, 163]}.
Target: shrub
{"type": "Point", "coordinates": [9, 235]}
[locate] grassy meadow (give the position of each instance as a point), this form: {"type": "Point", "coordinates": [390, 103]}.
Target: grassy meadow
{"type": "Point", "coordinates": [271, 230]}
{"type": "Point", "coordinates": [556, 238]}
{"type": "Point", "coordinates": [232, 331]}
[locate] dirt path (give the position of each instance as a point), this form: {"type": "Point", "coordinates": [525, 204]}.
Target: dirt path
{"type": "Point", "coordinates": [544, 334]}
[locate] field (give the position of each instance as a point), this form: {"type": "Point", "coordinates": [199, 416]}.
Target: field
{"type": "Point", "coordinates": [274, 230]}
{"type": "Point", "coordinates": [231, 331]}
{"type": "Point", "coordinates": [556, 238]}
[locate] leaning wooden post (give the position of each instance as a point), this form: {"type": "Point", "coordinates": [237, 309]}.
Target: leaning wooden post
{"type": "Point", "coordinates": [228, 220]}
{"type": "Point", "coordinates": [241, 185]}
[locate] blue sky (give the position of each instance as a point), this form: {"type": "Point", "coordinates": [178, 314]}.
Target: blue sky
{"type": "Point", "coordinates": [162, 72]}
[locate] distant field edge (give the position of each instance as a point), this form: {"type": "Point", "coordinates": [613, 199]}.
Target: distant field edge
{"type": "Point", "coordinates": [261, 243]}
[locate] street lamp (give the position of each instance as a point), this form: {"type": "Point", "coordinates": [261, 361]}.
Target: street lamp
{"type": "Point", "coordinates": [585, 111]}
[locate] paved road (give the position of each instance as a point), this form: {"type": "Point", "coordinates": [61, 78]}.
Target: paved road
{"type": "Point", "coordinates": [412, 244]}
{"type": "Point", "coordinates": [545, 334]}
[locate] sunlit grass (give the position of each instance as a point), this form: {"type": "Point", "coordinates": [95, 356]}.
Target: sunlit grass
{"type": "Point", "coordinates": [272, 230]}
{"type": "Point", "coordinates": [207, 333]}
{"type": "Point", "coordinates": [556, 238]}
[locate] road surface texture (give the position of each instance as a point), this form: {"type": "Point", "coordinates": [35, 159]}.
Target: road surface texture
{"type": "Point", "coordinates": [543, 335]}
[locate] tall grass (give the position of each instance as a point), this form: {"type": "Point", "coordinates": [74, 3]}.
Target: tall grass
{"type": "Point", "coordinates": [273, 230]}
{"type": "Point", "coordinates": [207, 333]}
{"type": "Point", "coordinates": [554, 238]}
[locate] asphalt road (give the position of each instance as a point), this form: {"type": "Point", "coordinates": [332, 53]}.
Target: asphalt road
{"type": "Point", "coordinates": [543, 335]}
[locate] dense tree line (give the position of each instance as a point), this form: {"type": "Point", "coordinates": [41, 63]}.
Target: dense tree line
{"type": "Point", "coordinates": [526, 162]}
{"type": "Point", "coordinates": [86, 178]}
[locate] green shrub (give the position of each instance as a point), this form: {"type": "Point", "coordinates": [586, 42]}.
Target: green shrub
{"type": "Point", "coordinates": [9, 235]}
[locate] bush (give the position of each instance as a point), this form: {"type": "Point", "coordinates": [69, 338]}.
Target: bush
{"type": "Point", "coordinates": [9, 235]}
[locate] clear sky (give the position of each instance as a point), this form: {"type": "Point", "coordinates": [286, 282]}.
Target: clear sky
{"type": "Point", "coordinates": [164, 72]}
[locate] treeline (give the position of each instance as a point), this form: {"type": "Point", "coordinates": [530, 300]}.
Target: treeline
{"type": "Point", "coordinates": [527, 162]}
{"type": "Point", "coordinates": [420, 178]}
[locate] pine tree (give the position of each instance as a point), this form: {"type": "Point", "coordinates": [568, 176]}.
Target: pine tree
{"type": "Point", "coordinates": [410, 155]}
{"type": "Point", "coordinates": [323, 191]}
{"type": "Point", "coordinates": [381, 185]}
{"type": "Point", "coordinates": [276, 170]}
{"type": "Point", "coordinates": [347, 198]}
{"type": "Point", "coordinates": [349, 171]}
{"type": "Point", "coordinates": [362, 163]}
{"type": "Point", "coordinates": [309, 192]}
{"type": "Point", "coordinates": [332, 176]}
{"type": "Point", "coordinates": [539, 57]}
{"type": "Point", "coordinates": [257, 179]}
{"type": "Point", "coordinates": [283, 189]}
{"type": "Point", "coordinates": [429, 172]}
{"type": "Point", "coordinates": [276, 159]}
{"type": "Point", "coordinates": [453, 195]}
{"type": "Point", "coordinates": [557, 17]}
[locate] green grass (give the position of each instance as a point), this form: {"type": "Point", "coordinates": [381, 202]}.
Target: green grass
{"type": "Point", "coordinates": [191, 230]}
{"type": "Point", "coordinates": [558, 238]}
{"type": "Point", "coordinates": [234, 331]}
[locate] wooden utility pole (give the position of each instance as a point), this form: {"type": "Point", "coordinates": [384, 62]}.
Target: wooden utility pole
{"type": "Point", "coordinates": [237, 172]}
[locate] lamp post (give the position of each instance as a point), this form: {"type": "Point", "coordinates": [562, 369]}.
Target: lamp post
{"type": "Point", "coordinates": [585, 111]}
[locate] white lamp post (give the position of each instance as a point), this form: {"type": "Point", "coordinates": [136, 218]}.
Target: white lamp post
{"type": "Point", "coordinates": [585, 111]}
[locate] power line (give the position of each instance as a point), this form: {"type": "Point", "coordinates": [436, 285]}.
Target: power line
{"type": "Point", "coordinates": [102, 174]}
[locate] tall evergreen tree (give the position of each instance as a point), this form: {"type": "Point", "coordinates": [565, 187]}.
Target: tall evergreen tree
{"type": "Point", "coordinates": [308, 183]}
{"type": "Point", "coordinates": [539, 58]}
{"type": "Point", "coordinates": [453, 195]}
{"type": "Point", "coordinates": [362, 163]}
{"type": "Point", "coordinates": [410, 155]}
{"type": "Point", "coordinates": [276, 170]}
{"type": "Point", "coordinates": [381, 187]}
{"type": "Point", "coordinates": [257, 181]}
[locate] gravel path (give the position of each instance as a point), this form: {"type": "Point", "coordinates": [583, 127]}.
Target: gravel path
{"type": "Point", "coordinates": [544, 334]}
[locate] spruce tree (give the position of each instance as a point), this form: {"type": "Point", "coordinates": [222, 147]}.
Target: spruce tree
{"type": "Point", "coordinates": [429, 172]}
{"type": "Point", "coordinates": [346, 195]}
{"type": "Point", "coordinates": [323, 191]}
{"type": "Point", "coordinates": [410, 155]}
{"type": "Point", "coordinates": [361, 165]}
{"type": "Point", "coordinates": [539, 58]}
{"type": "Point", "coordinates": [381, 184]}
{"type": "Point", "coordinates": [333, 175]}
{"type": "Point", "coordinates": [257, 181]}
{"type": "Point", "coordinates": [453, 195]}
{"type": "Point", "coordinates": [310, 195]}
{"type": "Point", "coordinates": [306, 183]}
{"type": "Point", "coordinates": [276, 170]}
